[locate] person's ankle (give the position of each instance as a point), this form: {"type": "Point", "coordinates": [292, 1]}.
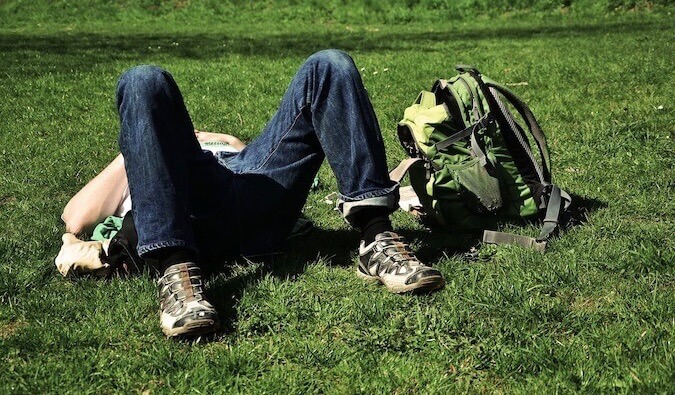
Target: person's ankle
{"type": "Point", "coordinates": [375, 227]}
{"type": "Point", "coordinates": [372, 221]}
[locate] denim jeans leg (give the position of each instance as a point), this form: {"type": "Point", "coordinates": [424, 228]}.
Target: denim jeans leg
{"type": "Point", "coordinates": [170, 178]}
{"type": "Point", "coordinates": [325, 112]}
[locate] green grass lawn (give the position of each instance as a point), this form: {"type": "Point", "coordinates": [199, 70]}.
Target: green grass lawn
{"type": "Point", "coordinates": [596, 313]}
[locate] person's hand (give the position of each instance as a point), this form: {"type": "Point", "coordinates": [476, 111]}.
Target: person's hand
{"type": "Point", "coordinates": [222, 137]}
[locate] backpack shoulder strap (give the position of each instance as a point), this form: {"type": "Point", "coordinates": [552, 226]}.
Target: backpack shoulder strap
{"type": "Point", "coordinates": [532, 123]}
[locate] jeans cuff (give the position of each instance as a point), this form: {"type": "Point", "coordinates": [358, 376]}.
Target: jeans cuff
{"type": "Point", "coordinates": [144, 249]}
{"type": "Point", "coordinates": [383, 198]}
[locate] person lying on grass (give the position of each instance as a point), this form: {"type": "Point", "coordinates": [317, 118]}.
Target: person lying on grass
{"type": "Point", "coordinates": [191, 207]}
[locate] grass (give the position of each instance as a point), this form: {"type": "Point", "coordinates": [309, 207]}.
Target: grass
{"type": "Point", "coordinates": [86, 12]}
{"type": "Point", "coordinates": [593, 314]}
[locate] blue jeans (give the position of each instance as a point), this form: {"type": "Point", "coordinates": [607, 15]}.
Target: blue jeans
{"type": "Point", "coordinates": [247, 203]}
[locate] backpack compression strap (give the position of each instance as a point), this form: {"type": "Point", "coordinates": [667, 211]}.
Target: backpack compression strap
{"type": "Point", "coordinates": [484, 122]}
{"type": "Point", "coordinates": [469, 130]}
{"type": "Point", "coordinates": [494, 237]}
{"type": "Point", "coordinates": [400, 171]}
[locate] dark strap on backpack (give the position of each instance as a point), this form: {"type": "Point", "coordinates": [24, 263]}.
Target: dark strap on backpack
{"type": "Point", "coordinates": [558, 202]}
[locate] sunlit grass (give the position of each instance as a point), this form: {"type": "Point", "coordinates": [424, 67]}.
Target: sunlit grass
{"type": "Point", "coordinates": [595, 313]}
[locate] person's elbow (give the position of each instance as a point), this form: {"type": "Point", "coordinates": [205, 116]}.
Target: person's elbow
{"type": "Point", "coordinates": [75, 223]}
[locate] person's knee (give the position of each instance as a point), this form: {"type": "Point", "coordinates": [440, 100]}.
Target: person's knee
{"type": "Point", "coordinates": [144, 79]}
{"type": "Point", "coordinates": [140, 90]}
{"type": "Point", "coordinates": [335, 60]}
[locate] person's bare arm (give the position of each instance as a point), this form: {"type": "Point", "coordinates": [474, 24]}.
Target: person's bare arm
{"type": "Point", "coordinates": [98, 199]}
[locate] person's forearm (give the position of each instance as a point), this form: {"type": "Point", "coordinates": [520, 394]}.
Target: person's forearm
{"type": "Point", "coordinates": [97, 200]}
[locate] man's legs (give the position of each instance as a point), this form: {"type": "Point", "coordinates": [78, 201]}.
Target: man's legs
{"type": "Point", "coordinates": [326, 112]}
{"type": "Point", "coordinates": [171, 181]}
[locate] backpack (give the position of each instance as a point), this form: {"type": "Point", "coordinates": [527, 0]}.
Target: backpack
{"type": "Point", "coordinates": [471, 163]}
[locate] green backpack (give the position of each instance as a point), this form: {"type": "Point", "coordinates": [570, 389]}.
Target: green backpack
{"type": "Point", "coordinates": [472, 165]}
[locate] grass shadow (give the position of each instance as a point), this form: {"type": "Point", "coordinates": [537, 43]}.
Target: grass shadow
{"type": "Point", "coordinates": [582, 207]}
{"type": "Point", "coordinates": [230, 280]}
{"type": "Point", "coordinates": [82, 51]}
{"type": "Point", "coordinates": [336, 248]}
